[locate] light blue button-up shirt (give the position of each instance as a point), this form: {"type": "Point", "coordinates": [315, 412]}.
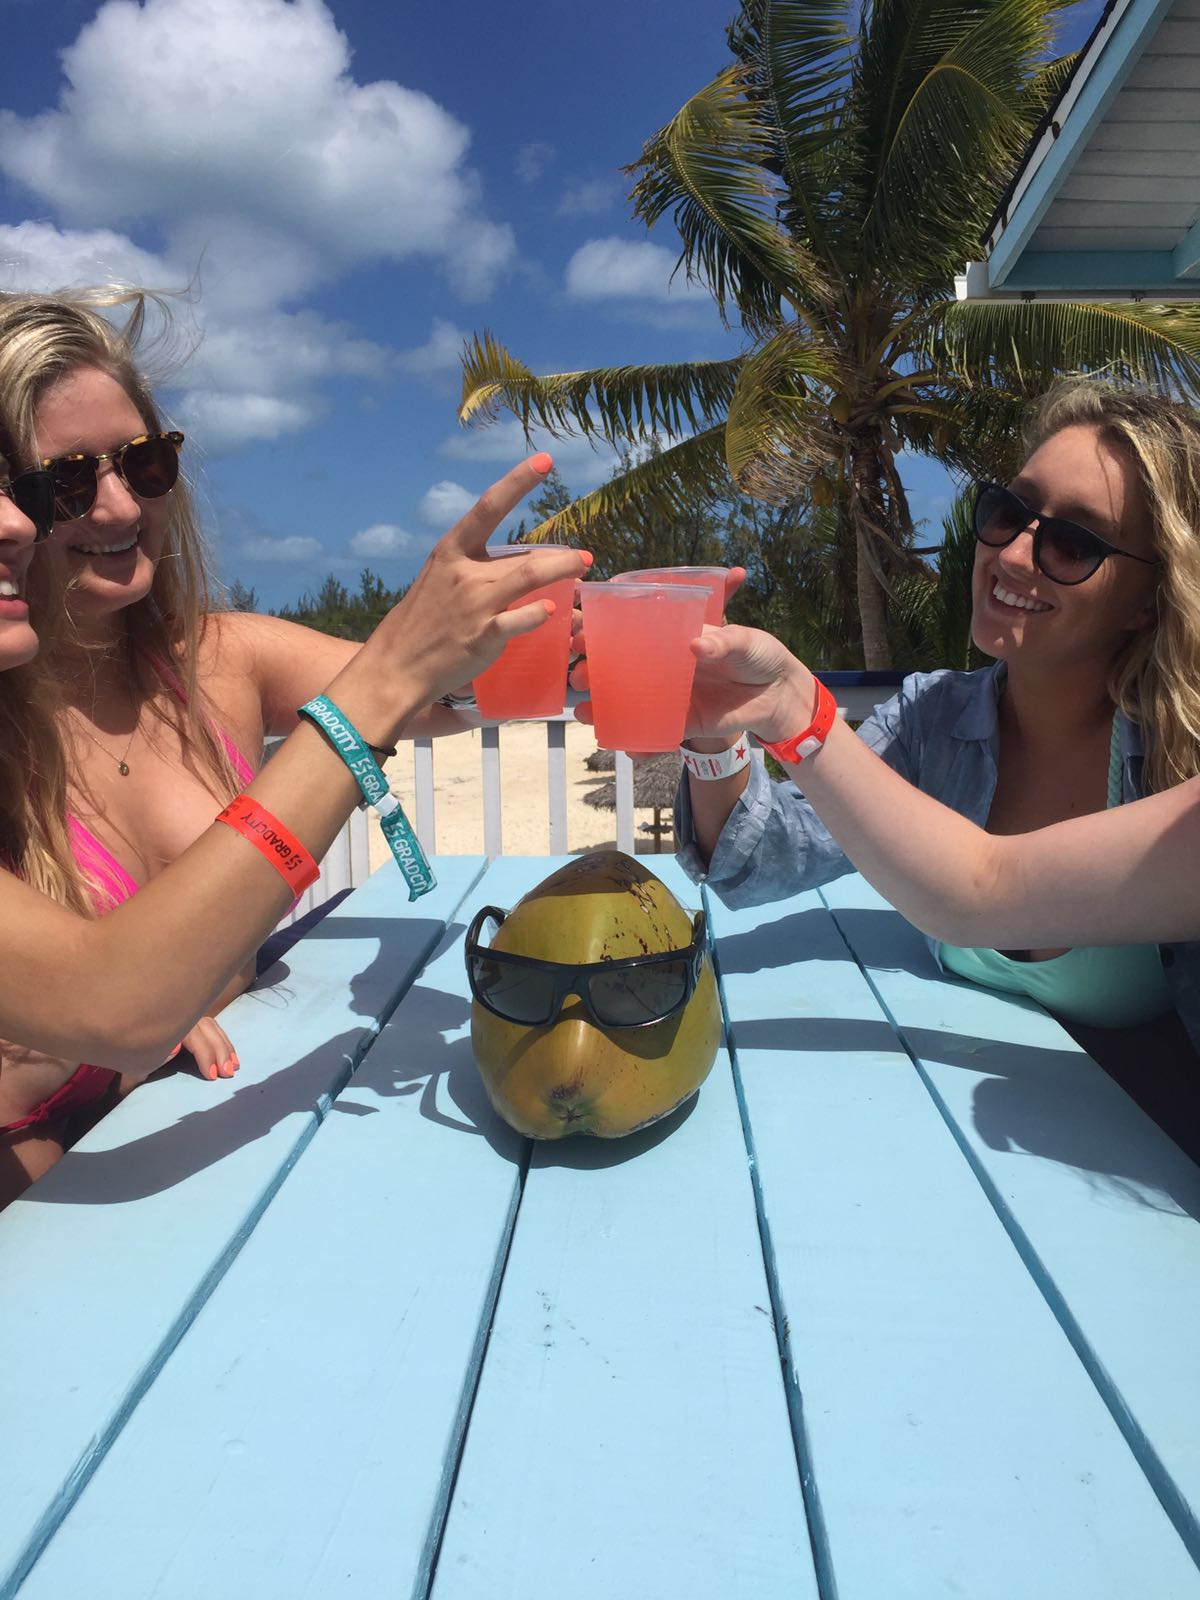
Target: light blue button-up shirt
{"type": "Point", "coordinates": [941, 732]}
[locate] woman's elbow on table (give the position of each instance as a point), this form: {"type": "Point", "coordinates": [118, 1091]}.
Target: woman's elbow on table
{"type": "Point", "coordinates": [133, 1048]}
{"type": "Point", "coordinates": [131, 1030]}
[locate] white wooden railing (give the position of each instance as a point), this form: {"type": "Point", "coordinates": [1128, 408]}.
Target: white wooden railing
{"type": "Point", "coordinates": [424, 819]}
{"type": "Point", "coordinates": [348, 861]}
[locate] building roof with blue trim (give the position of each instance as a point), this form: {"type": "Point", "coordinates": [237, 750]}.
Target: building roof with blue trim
{"type": "Point", "coordinates": [1106, 203]}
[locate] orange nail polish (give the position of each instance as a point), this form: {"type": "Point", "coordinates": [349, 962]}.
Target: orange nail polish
{"type": "Point", "coordinates": [541, 462]}
{"type": "Point", "coordinates": [588, 557]}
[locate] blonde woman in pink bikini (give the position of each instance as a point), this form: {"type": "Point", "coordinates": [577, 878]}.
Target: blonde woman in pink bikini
{"type": "Point", "coordinates": [159, 706]}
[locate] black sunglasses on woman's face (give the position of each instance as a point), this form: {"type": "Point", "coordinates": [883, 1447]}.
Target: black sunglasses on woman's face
{"type": "Point", "coordinates": [1066, 552]}
{"type": "Point", "coordinates": [632, 992]}
{"type": "Point", "coordinates": [33, 495]}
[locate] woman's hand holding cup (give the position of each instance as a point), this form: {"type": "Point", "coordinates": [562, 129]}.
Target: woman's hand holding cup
{"type": "Point", "coordinates": [746, 681]}
{"type": "Point", "coordinates": [454, 621]}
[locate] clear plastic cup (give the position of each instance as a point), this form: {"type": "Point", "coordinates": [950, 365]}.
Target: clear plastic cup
{"type": "Point", "coordinates": [709, 577]}
{"type": "Point", "coordinates": [530, 678]}
{"type": "Point", "coordinates": [640, 662]}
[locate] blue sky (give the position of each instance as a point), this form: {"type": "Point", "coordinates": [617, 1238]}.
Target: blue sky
{"type": "Point", "coordinates": [351, 188]}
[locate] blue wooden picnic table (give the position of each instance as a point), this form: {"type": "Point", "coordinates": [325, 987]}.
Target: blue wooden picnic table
{"type": "Point", "coordinates": [903, 1304]}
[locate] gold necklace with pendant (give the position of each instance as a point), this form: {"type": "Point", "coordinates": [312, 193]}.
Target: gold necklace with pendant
{"type": "Point", "coordinates": [122, 761]}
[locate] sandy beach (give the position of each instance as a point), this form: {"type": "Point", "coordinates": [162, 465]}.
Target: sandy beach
{"type": "Point", "coordinates": [458, 788]}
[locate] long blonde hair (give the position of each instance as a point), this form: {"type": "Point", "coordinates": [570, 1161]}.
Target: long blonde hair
{"type": "Point", "coordinates": [1155, 678]}
{"type": "Point", "coordinates": [43, 337]}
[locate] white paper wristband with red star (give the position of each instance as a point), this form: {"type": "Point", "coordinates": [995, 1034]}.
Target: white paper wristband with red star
{"type": "Point", "coordinates": [709, 764]}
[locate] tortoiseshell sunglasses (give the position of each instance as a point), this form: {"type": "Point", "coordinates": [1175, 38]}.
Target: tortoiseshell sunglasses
{"type": "Point", "coordinates": [148, 466]}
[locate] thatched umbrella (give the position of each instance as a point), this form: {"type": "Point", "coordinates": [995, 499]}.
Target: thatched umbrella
{"type": "Point", "coordinates": [654, 785]}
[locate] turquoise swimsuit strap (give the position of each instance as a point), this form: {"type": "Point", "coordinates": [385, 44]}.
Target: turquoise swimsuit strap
{"type": "Point", "coordinates": [1116, 768]}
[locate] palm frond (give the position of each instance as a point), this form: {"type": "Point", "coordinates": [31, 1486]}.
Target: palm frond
{"type": "Point", "coordinates": [944, 109]}
{"type": "Point", "coordinates": [777, 432]}
{"type": "Point", "coordinates": [935, 608]}
{"type": "Point", "coordinates": [975, 432]}
{"type": "Point", "coordinates": [620, 404]}
{"type": "Point", "coordinates": [710, 168]}
{"type": "Point", "coordinates": [1049, 81]}
{"type": "Point", "coordinates": [667, 483]}
{"type": "Point", "coordinates": [1022, 348]}
{"type": "Point", "coordinates": [800, 566]}
{"type": "Point", "coordinates": [799, 56]}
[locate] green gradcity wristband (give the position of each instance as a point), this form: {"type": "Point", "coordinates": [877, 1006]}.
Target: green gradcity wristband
{"type": "Point", "coordinates": [356, 753]}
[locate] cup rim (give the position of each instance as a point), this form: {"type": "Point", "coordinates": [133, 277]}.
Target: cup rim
{"type": "Point", "coordinates": [498, 552]}
{"type": "Point", "coordinates": [669, 591]}
{"type": "Point", "coordinates": [641, 572]}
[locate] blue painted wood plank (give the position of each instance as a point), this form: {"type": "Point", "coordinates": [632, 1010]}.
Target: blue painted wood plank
{"type": "Point", "coordinates": [953, 1443]}
{"type": "Point", "coordinates": [630, 1435]}
{"type": "Point", "coordinates": [106, 1261]}
{"type": "Point", "coordinates": [304, 1434]}
{"type": "Point", "coordinates": [1099, 1201]}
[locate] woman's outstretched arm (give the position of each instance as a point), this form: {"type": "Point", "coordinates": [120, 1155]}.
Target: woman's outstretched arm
{"type": "Point", "coordinates": [1130, 875]}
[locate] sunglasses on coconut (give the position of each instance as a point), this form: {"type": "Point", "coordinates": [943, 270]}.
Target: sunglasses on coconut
{"type": "Point", "coordinates": [148, 466]}
{"type": "Point", "coordinates": [632, 992]}
{"type": "Point", "coordinates": [33, 495]}
{"type": "Point", "coordinates": [1065, 552]}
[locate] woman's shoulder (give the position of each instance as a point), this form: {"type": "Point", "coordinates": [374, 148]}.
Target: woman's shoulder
{"type": "Point", "coordinates": [243, 632]}
{"type": "Point", "coordinates": [284, 662]}
{"type": "Point", "coordinates": [247, 643]}
{"type": "Point", "coordinates": [946, 691]}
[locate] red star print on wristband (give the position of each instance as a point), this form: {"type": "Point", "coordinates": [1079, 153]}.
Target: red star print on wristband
{"type": "Point", "coordinates": [718, 764]}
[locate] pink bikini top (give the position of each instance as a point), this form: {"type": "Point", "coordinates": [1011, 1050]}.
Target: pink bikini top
{"type": "Point", "coordinates": [98, 863]}
{"type": "Point", "coordinates": [112, 883]}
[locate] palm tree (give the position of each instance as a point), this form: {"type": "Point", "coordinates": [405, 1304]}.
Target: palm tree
{"type": "Point", "coordinates": [933, 609]}
{"type": "Point", "coordinates": [825, 188]}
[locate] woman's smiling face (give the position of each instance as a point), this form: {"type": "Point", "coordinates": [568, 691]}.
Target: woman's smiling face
{"type": "Point", "coordinates": [1020, 615]}
{"type": "Point", "coordinates": [106, 558]}
{"type": "Point", "coordinates": [18, 642]}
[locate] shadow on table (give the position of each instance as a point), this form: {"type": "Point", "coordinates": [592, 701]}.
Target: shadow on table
{"type": "Point", "coordinates": [809, 935]}
{"type": "Point", "coordinates": [425, 1053]}
{"type": "Point", "coordinates": [1028, 1101]}
{"type": "Point", "coordinates": [250, 1107]}
{"type": "Point", "coordinates": [583, 1153]}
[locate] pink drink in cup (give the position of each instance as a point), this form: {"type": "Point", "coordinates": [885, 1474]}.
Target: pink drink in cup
{"type": "Point", "coordinates": [530, 678]}
{"type": "Point", "coordinates": [640, 663]}
{"type": "Point", "coordinates": [708, 577]}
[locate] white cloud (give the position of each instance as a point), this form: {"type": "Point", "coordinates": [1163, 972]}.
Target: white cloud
{"type": "Point", "coordinates": [588, 199]}
{"type": "Point", "coordinates": [250, 125]}
{"type": "Point", "coordinates": [227, 421]}
{"type": "Point", "coordinates": [266, 170]}
{"type": "Point", "coordinates": [38, 256]}
{"type": "Point", "coordinates": [242, 372]}
{"type": "Point", "coordinates": [443, 503]}
{"type": "Point", "coordinates": [284, 551]}
{"type": "Point", "coordinates": [504, 443]}
{"type": "Point", "coordinates": [439, 353]}
{"type": "Point", "coordinates": [533, 159]}
{"type": "Point", "coordinates": [381, 539]}
{"type": "Point", "coordinates": [282, 353]}
{"type": "Point", "coordinates": [627, 269]}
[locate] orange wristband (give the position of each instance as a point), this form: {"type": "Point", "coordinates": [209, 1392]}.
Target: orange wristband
{"type": "Point", "coordinates": [271, 839]}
